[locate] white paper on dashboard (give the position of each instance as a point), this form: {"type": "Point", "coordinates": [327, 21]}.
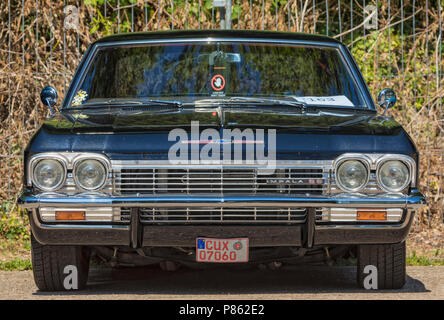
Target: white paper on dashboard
{"type": "Point", "coordinates": [327, 100]}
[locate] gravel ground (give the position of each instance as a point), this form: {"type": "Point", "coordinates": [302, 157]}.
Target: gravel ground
{"type": "Point", "coordinates": [314, 282]}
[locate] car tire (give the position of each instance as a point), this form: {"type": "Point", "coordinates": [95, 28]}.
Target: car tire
{"type": "Point", "coordinates": [389, 260]}
{"type": "Point", "coordinates": [49, 263]}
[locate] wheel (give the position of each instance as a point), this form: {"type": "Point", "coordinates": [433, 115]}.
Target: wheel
{"type": "Point", "coordinates": [49, 264]}
{"type": "Point", "coordinates": [389, 260]}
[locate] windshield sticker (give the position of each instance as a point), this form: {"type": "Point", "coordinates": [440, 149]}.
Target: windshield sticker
{"type": "Point", "coordinates": [218, 82]}
{"type": "Point", "coordinates": [79, 98]}
{"type": "Point", "coordinates": [329, 100]}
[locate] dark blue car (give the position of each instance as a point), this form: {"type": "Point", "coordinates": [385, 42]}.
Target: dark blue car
{"type": "Point", "coordinates": [206, 147]}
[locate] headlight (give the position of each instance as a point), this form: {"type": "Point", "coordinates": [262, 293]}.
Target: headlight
{"type": "Point", "coordinates": [352, 175]}
{"type": "Point", "coordinates": [393, 176]}
{"type": "Point", "coordinates": [49, 174]}
{"type": "Point", "coordinates": [90, 174]}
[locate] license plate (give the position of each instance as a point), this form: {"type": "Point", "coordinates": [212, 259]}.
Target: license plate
{"type": "Point", "coordinates": [222, 250]}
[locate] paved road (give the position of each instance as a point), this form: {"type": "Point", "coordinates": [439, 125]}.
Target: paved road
{"type": "Point", "coordinates": [286, 283]}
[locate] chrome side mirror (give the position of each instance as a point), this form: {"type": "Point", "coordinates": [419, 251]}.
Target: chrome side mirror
{"type": "Point", "coordinates": [387, 99]}
{"type": "Point", "coordinates": [48, 96]}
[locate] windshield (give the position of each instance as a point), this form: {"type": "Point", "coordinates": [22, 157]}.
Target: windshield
{"type": "Point", "coordinates": [187, 72]}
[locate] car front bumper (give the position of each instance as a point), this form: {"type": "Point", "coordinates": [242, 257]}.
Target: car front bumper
{"type": "Point", "coordinates": [136, 234]}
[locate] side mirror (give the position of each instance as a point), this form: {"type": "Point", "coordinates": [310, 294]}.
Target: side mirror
{"type": "Point", "coordinates": [387, 99]}
{"type": "Point", "coordinates": [48, 96]}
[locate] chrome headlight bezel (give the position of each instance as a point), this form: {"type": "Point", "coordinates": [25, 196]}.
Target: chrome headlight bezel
{"type": "Point", "coordinates": [374, 162]}
{"type": "Point", "coordinates": [80, 159]}
{"type": "Point", "coordinates": [68, 160]}
{"type": "Point", "coordinates": [33, 164]}
{"type": "Point", "coordinates": [384, 160]}
{"type": "Point", "coordinates": [361, 159]}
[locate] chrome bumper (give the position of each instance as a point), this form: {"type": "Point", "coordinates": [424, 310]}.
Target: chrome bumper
{"type": "Point", "coordinates": [135, 234]}
{"type": "Point", "coordinates": [413, 201]}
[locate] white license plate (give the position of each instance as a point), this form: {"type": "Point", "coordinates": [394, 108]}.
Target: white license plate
{"type": "Point", "coordinates": [222, 250]}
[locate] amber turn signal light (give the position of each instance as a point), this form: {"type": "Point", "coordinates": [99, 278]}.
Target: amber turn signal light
{"type": "Point", "coordinates": [70, 215]}
{"type": "Point", "coordinates": [372, 215]}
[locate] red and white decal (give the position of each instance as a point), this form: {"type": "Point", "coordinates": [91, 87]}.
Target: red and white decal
{"type": "Point", "coordinates": [218, 82]}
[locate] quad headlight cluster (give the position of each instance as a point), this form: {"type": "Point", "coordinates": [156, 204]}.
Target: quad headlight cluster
{"type": "Point", "coordinates": [392, 174]}
{"type": "Point", "coordinates": [49, 172]}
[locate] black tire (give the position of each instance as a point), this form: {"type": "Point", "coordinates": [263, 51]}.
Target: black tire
{"type": "Point", "coordinates": [389, 259]}
{"type": "Point", "coordinates": [49, 262]}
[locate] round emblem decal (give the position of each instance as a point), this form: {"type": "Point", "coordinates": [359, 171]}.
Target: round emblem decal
{"type": "Point", "coordinates": [218, 82]}
{"type": "Point", "coordinates": [237, 245]}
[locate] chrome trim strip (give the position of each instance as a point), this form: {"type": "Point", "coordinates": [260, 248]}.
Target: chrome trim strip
{"type": "Point", "coordinates": [357, 76]}
{"type": "Point", "coordinates": [165, 164]}
{"type": "Point", "coordinates": [412, 202]}
{"type": "Point", "coordinates": [83, 226]}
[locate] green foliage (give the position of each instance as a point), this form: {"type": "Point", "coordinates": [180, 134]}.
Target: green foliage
{"type": "Point", "coordinates": [387, 61]}
{"type": "Point", "coordinates": [93, 2]}
{"type": "Point", "coordinates": [108, 25]}
{"type": "Point", "coordinates": [17, 264]}
{"type": "Point", "coordinates": [13, 222]}
{"type": "Point", "coordinates": [100, 22]}
{"type": "Point", "coordinates": [346, 262]}
{"type": "Point", "coordinates": [113, 23]}
{"type": "Point", "coordinates": [414, 260]}
{"type": "Point", "coordinates": [235, 13]}
{"type": "Point", "coordinates": [208, 4]}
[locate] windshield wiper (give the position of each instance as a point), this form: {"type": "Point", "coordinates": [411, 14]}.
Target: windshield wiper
{"type": "Point", "coordinates": [132, 102]}
{"type": "Point", "coordinates": [335, 110]}
{"type": "Point", "coordinates": [250, 100]}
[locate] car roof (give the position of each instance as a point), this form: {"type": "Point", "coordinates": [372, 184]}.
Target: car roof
{"type": "Point", "coordinates": [240, 34]}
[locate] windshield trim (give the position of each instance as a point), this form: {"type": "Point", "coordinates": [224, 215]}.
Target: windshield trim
{"type": "Point", "coordinates": [344, 54]}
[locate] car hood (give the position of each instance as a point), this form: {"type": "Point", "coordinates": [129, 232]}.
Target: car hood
{"type": "Point", "coordinates": [140, 133]}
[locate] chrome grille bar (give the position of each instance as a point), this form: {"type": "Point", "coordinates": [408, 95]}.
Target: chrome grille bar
{"type": "Point", "coordinates": [136, 178]}
{"type": "Point", "coordinates": [222, 215]}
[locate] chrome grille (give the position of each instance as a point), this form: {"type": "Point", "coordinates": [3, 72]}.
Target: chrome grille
{"type": "Point", "coordinates": [125, 214]}
{"type": "Point", "coordinates": [132, 181]}
{"type": "Point", "coordinates": [222, 215]}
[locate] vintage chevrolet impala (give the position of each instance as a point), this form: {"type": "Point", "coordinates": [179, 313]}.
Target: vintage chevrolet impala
{"type": "Point", "coordinates": [202, 147]}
